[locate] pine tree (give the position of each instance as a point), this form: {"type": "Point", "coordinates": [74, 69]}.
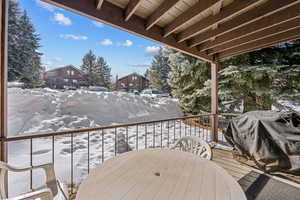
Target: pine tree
{"type": "Point", "coordinates": [147, 74]}
{"type": "Point", "coordinates": [189, 78]}
{"type": "Point", "coordinates": [88, 67]}
{"type": "Point", "coordinates": [24, 60]}
{"type": "Point", "coordinates": [159, 72]}
{"type": "Point", "coordinates": [30, 57]}
{"type": "Point", "coordinates": [97, 72]}
{"type": "Point", "coordinates": [104, 72]}
{"type": "Point", "coordinates": [14, 64]}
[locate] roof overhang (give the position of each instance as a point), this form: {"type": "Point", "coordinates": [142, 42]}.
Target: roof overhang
{"type": "Point", "coordinates": [206, 29]}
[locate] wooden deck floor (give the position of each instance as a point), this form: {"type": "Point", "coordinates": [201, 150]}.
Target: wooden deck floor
{"type": "Point", "coordinates": [257, 184]}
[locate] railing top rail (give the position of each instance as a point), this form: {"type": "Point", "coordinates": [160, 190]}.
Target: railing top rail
{"type": "Point", "coordinates": [83, 130]}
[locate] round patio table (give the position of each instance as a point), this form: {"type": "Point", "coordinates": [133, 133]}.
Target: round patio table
{"type": "Point", "coordinates": [159, 174]}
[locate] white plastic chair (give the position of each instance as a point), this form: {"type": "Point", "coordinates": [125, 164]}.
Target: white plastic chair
{"type": "Point", "coordinates": [194, 145]}
{"type": "Point", "coordinates": [46, 192]}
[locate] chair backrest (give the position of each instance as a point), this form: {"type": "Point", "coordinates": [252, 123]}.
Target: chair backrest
{"type": "Point", "coordinates": [194, 145]}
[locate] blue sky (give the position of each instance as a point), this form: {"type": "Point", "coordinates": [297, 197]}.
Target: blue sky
{"type": "Point", "coordinates": [66, 37]}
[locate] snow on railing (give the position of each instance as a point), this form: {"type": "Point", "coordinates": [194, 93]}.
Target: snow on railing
{"type": "Point", "coordinates": [75, 152]}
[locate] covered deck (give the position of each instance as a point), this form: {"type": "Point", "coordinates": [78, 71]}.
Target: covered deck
{"type": "Point", "coordinates": [211, 30]}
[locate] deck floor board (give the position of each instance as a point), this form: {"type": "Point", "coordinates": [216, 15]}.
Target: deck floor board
{"type": "Point", "coordinates": [257, 184]}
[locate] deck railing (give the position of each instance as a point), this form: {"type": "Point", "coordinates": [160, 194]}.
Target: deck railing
{"type": "Point", "coordinates": [84, 148]}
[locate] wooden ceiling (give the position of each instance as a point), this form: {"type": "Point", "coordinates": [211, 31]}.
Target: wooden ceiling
{"type": "Point", "coordinates": [207, 29]}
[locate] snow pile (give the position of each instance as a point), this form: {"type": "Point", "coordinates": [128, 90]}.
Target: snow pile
{"type": "Point", "coordinates": [46, 110]}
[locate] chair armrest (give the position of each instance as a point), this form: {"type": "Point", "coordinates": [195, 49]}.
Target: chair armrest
{"type": "Point", "coordinates": [44, 193]}
{"type": "Point", "coordinates": [49, 171]}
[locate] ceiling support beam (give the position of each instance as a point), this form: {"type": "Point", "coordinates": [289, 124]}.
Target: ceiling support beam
{"type": "Point", "coordinates": [278, 18]}
{"type": "Point", "coordinates": [99, 4]}
{"type": "Point", "coordinates": [188, 15]}
{"type": "Point", "coordinates": [131, 8]}
{"type": "Point", "coordinates": [113, 15]}
{"type": "Point", "coordinates": [227, 12]}
{"type": "Point", "coordinates": [159, 13]}
{"type": "Point", "coordinates": [273, 30]}
{"type": "Point", "coordinates": [269, 8]}
{"type": "Point", "coordinates": [263, 43]}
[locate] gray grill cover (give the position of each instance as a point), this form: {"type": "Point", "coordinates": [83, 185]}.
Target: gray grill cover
{"type": "Point", "coordinates": [271, 139]}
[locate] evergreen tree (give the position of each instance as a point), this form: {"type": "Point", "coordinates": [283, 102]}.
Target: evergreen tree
{"type": "Point", "coordinates": [147, 74]}
{"type": "Point", "coordinates": [30, 57]}
{"type": "Point", "coordinates": [159, 72]}
{"type": "Point", "coordinates": [24, 60]}
{"type": "Point", "coordinates": [14, 64]}
{"type": "Point", "coordinates": [89, 67]}
{"type": "Point", "coordinates": [104, 72]}
{"type": "Point", "coordinates": [97, 72]}
{"type": "Point", "coordinates": [189, 78]}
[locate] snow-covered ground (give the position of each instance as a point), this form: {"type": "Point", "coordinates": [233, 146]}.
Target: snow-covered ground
{"type": "Point", "coordinates": [45, 110]}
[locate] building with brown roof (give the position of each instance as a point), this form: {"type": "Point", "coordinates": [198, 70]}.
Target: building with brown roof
{"type": "Point", "coordinates": [68, 77]}
{"type": "Point", "coordinates": [132, 82]}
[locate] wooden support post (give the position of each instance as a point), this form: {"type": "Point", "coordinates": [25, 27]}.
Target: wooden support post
{"type": "Point", "coordinates": [3, 73]}
{"type": "Point", "coordinates": [214, 100]}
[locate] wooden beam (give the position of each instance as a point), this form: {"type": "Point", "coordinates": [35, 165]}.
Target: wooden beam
{"type": "Point", "coordinates": [131, 8]}
{"type": "Point", "coordinates": [273, 30]}
{"type": "Point", "coordinates": [268, 8]}
{"type": "Point", "coordinates": [3, 79]}
{"type": "Point", "coordinates": [113, 15]}
{"type": "Point", "coordinates": [188, 15]}
{"type": "Point", "coordinates": [159, 13]}
{"type": "Point", "coordinates": [214, 100]}
{"type": "Point", "coordinates": [262, 43]}
{"type": "Point", "coordinates": [99, 4]}
{"type": "Point", "coordinates": [227, 12]}
{"type": "Point", "coordinates": [276, 19]}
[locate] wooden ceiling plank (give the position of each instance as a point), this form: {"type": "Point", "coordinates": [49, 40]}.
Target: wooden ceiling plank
{"type": "Point", "coordinates": [114, 15]}
{"type": "Point", "coordinates": [273, 30]}
{"type": "Point", "coordinates": [188, 15]}
{"type": "Point", "coordinates": [99, 4]}
{"type": "Point", "coordinates": [131, 8]}
{"type": "Point", "coordinates": [159, 13]}
{"type": "Point", "coordinates": [262, 43]}
{"type": "Point", "coordinates": [229, 11]}
{"type": "Point", "coordinates": [280, 17]}
{"type": "Point", "coordinates": [264, 10]}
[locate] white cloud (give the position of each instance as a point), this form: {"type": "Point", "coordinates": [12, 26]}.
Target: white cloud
{"type": "Point", "coordinates": [58, 59]}
{"type": "Point", "coordinates": [106, 42]}
{"type": "Point", "coordinates": [74, 37]}
{"type": "Point", "coordinates": [140, 64]}
{"type": "Point", "coordinates": [151, 50]}
{"type": "Point", "coordinates": [128, 43]}
{"type": "Point", "coordinates": [61, 19]}
{"type": "Point", "coordinates": [98, 24]}
{"type": "Point", "coordinates": [45, 5]}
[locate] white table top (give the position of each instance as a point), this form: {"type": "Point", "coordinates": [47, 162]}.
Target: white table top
{"type": "Point", "coordinates": [159, 174]}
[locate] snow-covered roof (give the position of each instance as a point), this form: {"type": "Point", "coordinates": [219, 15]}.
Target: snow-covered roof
{"type": "Point", "coordinates": [68, 66]}
{"type": "Point", "coordinates": [136, 74]}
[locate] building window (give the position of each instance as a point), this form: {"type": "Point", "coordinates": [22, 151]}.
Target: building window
{"type": "Point", "coordinates": [70, 72]}
{"type": "Point", "coordinates": [66, 80]}
{"type": "Point", "coordinates": [74, 81]}
{"type": "Point", "coordinates": [134, 78]}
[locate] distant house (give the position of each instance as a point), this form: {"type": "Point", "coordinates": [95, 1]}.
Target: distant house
{"type": "Point", "coordinates": [132, 82]}
{"type": "Point", "coordinates": [68, 77]}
